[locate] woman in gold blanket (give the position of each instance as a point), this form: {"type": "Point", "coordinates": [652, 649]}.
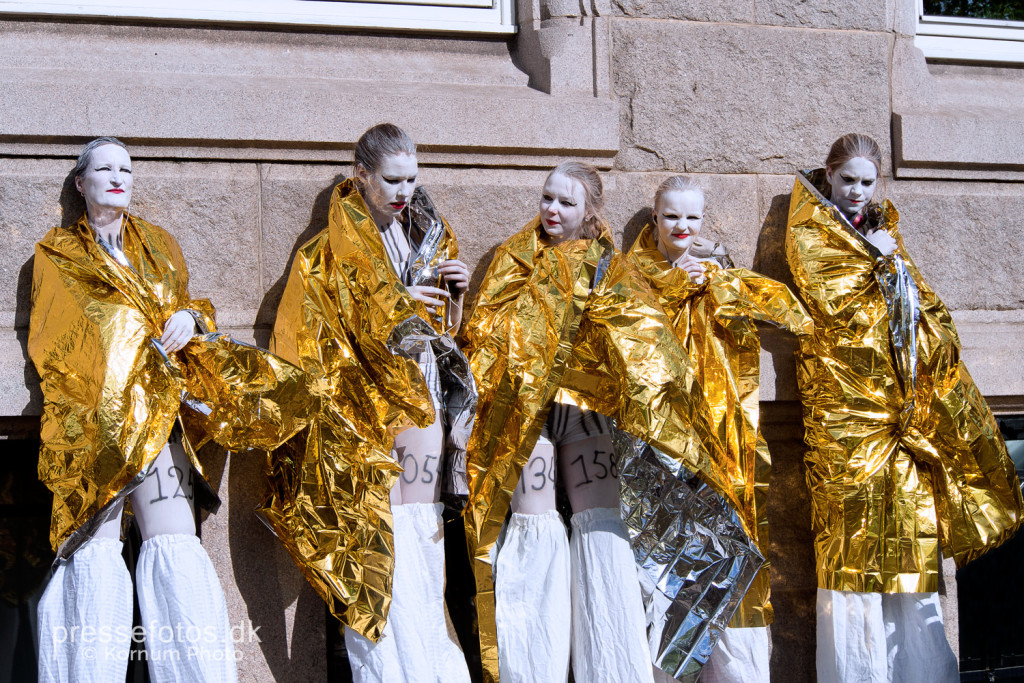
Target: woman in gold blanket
{"type": "Point", "coordinates": [367, 312]}
{"type": "Point", "coordinates": [564, 338]}
{"type": "Point", "coordinates": [116, 340]}
{"type": "Point", "coordinates": [904, 457]}
{"type": "Point", "coordinates": [713, 310]}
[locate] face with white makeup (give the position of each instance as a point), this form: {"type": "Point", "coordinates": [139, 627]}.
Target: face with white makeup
{"type": "Point", "coordinates": [562, 208]}
{"type": "Point", "coordinates": [388, 188]}
{"type": "Point", "coordinates": [571, 203]}
{"type": "Point", "coordinates": [106, 181]}
{"type": "Point", "coordinates": [679, 216]}
{"type": "Point", "coordinates": [853, 185]}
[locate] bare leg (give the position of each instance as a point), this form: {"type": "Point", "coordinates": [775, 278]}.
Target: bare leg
{"type": "Point", "coordinates": [112, 527]}
{"type": "Point", "coordinates": [163, 502]}
{"type": "Point", "coordinates": [418, 451]}
{"type": "Point", "coordinates": [535, 493]}
{"type": "Point", "coordinates": [188, 636]}
{"type": "Point", "coordinates": [590, 473]}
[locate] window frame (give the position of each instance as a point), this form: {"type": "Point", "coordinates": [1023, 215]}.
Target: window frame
{"type": "Point", "coordinates": [446, 16]}
{"type": "Point", "coordinates": [969, 40]}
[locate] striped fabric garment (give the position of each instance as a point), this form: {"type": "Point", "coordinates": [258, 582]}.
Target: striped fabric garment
{"type": "Point", "coordinates": [400, 253]}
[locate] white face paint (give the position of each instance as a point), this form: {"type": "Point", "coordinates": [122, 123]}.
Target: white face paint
{"type": "Point", "coordinates": [562, 208]}
{"type": "Point", "coordinates": [679, 217]}
{"type": "Point", "coordinates": [388, 189]}
{"type": "Point", "coordinates": [107, 180]}
{"type": "Point", "coordinates": [853, 185]}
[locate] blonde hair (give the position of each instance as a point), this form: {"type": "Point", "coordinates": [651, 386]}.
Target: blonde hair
{"type": "Point", "coordinates": [593, 192]}
{"type": "Point", "coordinates": [379, 142]}
{"type": "Point", "coordinates": [851, 146]}
{"type": "Point", "coordinates": [677, 183]}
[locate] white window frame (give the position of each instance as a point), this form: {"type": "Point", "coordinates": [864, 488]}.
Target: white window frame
{"type": "Point", "coordinates": [448, 16]}
{"type": "Point", "coordinates": [971, 40]}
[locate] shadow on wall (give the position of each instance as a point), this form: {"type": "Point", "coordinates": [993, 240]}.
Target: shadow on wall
{"type": "Point", "coordinates": [22, 313]}
{"type": "Point", "coordinates": [793, 574]}
{"type": "Point", "coordinates": [791, 548]}
{"type": "Point", "coordinates": [770, 261]}
{"type": "Point", "coordinates": [269, 582]}
{"type": "Point", "coordinates": [476, 279]}
{"type": "Point", "coordinates": [770, 254]}
{"type": "Point", "coordinates": [267, 313]}
{"type": "Point", "coordinates": [634, 225]}
{"type": "Point", "coordinates": [72, 205]}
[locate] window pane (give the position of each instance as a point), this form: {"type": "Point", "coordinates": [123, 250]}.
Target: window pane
{"type": "Point", "coordinates": [977, 9]}
{"type": "Point", "coordinates": [991, 610]}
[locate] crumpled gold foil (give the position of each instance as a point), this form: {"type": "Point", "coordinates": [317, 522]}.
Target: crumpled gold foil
{"type": "Point", "coordinates": [715, 324]}
{"type": "Point", "coordinates": [110, 393]}
{"type": "Point", "coordinates": [899, 463]}
{"type": "Point", "coordinates": [348, 321]}
{"type": "Point", "coordinates": [574, 323]}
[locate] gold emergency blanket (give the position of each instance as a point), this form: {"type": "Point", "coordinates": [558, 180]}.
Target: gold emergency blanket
{"type": "Point", "coordinates": [110, 393]}
{"type": "Point", "coordinates": [347, 319]}
{"type": "Point", "coordinates": [574, 323]}
{"type": "Point", "coordinates": [899, 463]}
{"type": "Point", "coordinates": [715, 324]}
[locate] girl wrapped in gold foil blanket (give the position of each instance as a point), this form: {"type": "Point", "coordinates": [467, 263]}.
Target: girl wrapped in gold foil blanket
{"type": "Point", "coordinates": [111, 395]}
{"type": "Point", "coordinates": [571, 324]}
{"type": "Point", "coordinates": [349, 321]}
{"type": "Point", "coordinates": [904, 456]}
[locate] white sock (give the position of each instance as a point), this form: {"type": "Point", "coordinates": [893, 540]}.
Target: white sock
{"type": "Point", "coordinates": [851, 637]}
{"type": "Point", "coordinates": [427, 646]}
{"type": "Point", "coordinates": [918, 651]}
{"type": "Point", "coordinates": [373, 662]}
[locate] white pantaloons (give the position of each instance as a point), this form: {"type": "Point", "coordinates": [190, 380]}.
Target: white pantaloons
{"type": "Point", "coordinates": [419, 644]}
{"type": "Point", "coordinates": [609, 629]}
{"type": "Point", "coordinates": [85, 617]}
{"type": "Point", "coordinates": [741, 656]}
{"type": "Point", "coordinates": [427, 644]}
{"type": "Point", "coordinates": [374, 662]}
{"type": "Point", "coordinates": [533, 613]}
{"type": "Point", "coordinates": [882, 637]}
{"type": "Point", "coordinates": [917, 649]}
{"type": "Point", "coordinates": [188, 636]}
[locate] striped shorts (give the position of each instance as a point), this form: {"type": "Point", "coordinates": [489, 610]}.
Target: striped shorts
{"type": "Point", "coordinates": [568, 423]}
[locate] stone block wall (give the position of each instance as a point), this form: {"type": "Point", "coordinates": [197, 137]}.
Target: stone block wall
{"type": "Point", "coordinates": [239, 134]}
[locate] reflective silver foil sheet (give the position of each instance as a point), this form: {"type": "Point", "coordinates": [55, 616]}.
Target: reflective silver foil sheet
{"type": "Point", "coordinates": [428, 221]}
{"type": "Point", "coordinates": [414, 336]}
{"type": "Point", "coordinates": [694, 560]}
{"type": "Point", "coordinates": [901, 298]}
